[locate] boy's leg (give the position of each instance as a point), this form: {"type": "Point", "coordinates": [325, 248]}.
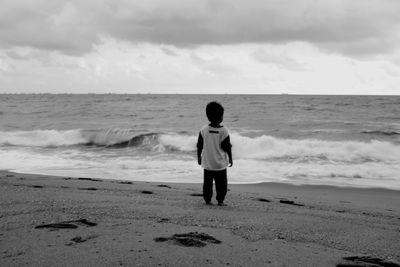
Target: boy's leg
{"type": "Point", "coordinates": [221, 185]}
{"type": "Point", "coordinates": [208, 185]}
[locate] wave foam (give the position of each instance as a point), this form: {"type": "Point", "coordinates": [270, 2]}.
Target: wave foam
{"type": "Point", "coordinates": [276, 149]}
{"type": "Point", "coordinates": [114, 137]}
{"type": "Point", "coordinates": [272, 148]}
{"type": "Point", "coordinates": [42, 138]}
{"type": "Point", "coordinates": [267, 148]}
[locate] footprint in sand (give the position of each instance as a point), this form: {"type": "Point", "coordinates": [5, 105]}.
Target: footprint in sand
{"type": "Point", "coordinates": [263, 199]}
{"type": "Point", "coordinates": [36, 186]}
{"type": "Point", "coordinates": [124, 182]}
{"type": "Point", "coordinates": [89, 179]}
{"type": "Point", "coordinates": [67, 224]}
{"type": "Point", "coordinates": [88, 188]}
{"type": "Point", "coordinates": [80, 239]}
{"type": "Point", "coordinates": [366, 261]}
{"type": "Point", "coordinates": [164, 185]}
{"type": "Point", "coordinates": [290, 202]}
{"type": "Point", "coordinates": [192, 239]}
{"type": "Point", "coordinates": [161, 220]}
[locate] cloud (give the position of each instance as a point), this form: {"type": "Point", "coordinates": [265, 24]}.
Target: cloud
{"type": "Point", "coordinates": [55, 25]}
{"type": "Point", "coordinates": [119, 67]}
{"type": "Point", "coordinates": [391, 69]}
{"type": "Point", "coordinates": [169, 51]}
{"type": "Point", "coordinates": [212, 66]}
{"type": "Point", "coordinates": [5, 67]}
{"type": "Point", "coordinates": [281, 60]}
{"type": "Point", "coordinates": [73, 27]}
{"type": "Point", "coordinates": [15, 55]}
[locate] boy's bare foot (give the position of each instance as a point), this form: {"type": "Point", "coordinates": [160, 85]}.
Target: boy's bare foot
{"type": "Point", "coordinates": [222, 204]}
{"type": "Point", "coordinates": [208, 203]}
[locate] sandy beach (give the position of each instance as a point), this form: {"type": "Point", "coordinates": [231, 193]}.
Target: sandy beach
{"type": "Point", "coordinates": [64, 221]}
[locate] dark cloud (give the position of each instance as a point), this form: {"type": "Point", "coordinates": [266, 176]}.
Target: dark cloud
{"type": "Point", "coordinates": [46, 25]}
{"type": "Point", "coordinates": [73, 27]}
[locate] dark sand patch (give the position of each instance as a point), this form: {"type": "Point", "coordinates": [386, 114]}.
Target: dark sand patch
{"type": "Point", "coordinates": [36, 186]}
{"type": "Point", "coordinates": [88, 188]}
{"type": "Point", "coordinates": [163, 220]}
{"type": "Point", "coordinates": [80, 239]}
{"type": "Point", "coordinates": [366, 261]}
{"type": "Point", "coordinates": [124, 182]}
{"type": "Point", "coordinates": [192, 239]}
{"type": "Point", "coordinates": [57, 226]}
{"type": "Point", "coordinates": [67, 224]}
{"type": "Point", "coordinates": [89, 179]}
{"type": "Point", "coordinates": [11, 255]}
{"type": "Point", "coordinates": [263, 199]}
{"type": "Point", "coordinates": [164, 185]}
{"type": "Point", "coordinates": [196, 195]}
{"type": "Point", "coordinates": [290, 202]}
{"type": "Point", "coordinates": [83, 221]}
{"type": "Point", "coordinates": [146, 192]}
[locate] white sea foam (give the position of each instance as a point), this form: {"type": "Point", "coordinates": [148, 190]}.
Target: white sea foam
{"type": "Point", "coordinates": [42, 138]}
{"type": "Point", "coordinates": [180, 142]}
{"type": "Point", "coordinates": [171, 157]}
{"type": "Point", "coordinates": [263, 147]}
{"type": "Point", "coordinates": [58, 138]}
{"type": "Point", "coordinates": [272, 148]}
{"type": "Point", "coordinates": [169, 168]}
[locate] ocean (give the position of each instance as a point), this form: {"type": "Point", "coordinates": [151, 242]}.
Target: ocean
{"type": "Point", "coordinates": [296, 139]}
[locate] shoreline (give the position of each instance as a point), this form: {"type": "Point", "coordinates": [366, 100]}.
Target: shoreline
{"type": "Point", "coordinates": [267, 224]}
{"type": "Point", "coordinates": [298, 185]}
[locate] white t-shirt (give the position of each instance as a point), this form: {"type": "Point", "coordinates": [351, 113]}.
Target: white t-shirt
{"type": "Point", "coordinates": [213, 157]}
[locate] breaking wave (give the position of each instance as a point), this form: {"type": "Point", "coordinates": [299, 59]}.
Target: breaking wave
{"type": "Point", "coordinates": [42, 138]}
{"type": "Point", "coordinates": [266, 148]}
{"type": "Point", "coordinates": [272, 148]}
{"type": "Point", "coordinates": [115, 138]}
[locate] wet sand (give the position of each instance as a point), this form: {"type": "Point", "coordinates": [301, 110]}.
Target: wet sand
{"type": "Point", "coordinates": [64, 221]}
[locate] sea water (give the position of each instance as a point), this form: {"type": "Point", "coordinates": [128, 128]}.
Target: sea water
{"type": "Point", "coordinates": [329, 140]}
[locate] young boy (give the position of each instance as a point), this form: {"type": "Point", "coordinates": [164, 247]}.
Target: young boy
{"type": "Point", "coordinates": [214, 153]}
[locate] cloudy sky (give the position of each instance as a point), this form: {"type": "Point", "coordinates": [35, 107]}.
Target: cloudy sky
{"type": "Point", "coordinates": [200, 46]}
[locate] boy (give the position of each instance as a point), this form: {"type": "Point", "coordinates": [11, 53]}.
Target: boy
{"type": "Point", "coordinates": [213, 153]}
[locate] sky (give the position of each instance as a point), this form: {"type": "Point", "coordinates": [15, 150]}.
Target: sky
{"type": "Point", "coordinates": [200, 46]}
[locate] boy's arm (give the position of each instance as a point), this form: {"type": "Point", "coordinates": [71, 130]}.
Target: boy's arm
{"type": "Point", "coordinates": [227, 147]}
{"type": "Point", "coordinates": [199, 148]}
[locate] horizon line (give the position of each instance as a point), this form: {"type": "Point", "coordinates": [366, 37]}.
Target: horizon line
{"type": "Point", "coordinates": [147, 93]}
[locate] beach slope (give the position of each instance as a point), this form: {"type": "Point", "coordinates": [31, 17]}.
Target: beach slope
{"type": "Point", "coordinates": [64, 221]}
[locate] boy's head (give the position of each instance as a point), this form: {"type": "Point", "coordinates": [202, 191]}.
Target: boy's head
{"type": "Point", "coordinates": [215, 112]}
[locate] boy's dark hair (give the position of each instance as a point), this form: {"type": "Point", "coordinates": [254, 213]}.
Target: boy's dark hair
{"type": "Point", "coordinates": [214, 111]}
